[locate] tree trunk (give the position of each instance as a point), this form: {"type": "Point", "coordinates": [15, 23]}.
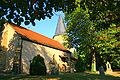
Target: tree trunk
{"type": "Point", "coordinates": [93, 65]}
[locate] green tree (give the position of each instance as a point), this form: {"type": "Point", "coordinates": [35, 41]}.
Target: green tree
{"type": "Point", "coordinates": [27, 11]}
{"type": "Point", "coordinates": [108, 44]}
{"type": "Point", "coordinates": [89, 31]}
{"type": "Point", "coordinates": [102, 12]}
{"type": "Point", "coordinates": [80, 34]}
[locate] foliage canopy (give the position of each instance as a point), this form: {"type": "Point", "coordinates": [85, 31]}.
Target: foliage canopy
{"type": "Point", "coordinates": [27, 11]}
{"type": "Point", "coordinates": [91, 26]}
{"type": "Point", "coordinates": [108, 45]}
{"type": "Point", "coordinates": [103, 12]}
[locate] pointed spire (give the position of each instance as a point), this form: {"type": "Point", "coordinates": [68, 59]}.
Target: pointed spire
{"type": "Point", "coordinates": [60, 29]}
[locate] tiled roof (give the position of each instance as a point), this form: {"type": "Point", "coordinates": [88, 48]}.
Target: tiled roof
{"type": "Point", "coordinates": [38, 38]}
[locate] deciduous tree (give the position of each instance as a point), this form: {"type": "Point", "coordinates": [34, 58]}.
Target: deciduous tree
{"type": "Point", "coordinates": [27, 11]}
{"type": "Point", "coordinates": [108, 45]}
{"type": "Point", "coordinates": [103, 12]}
{"type": "Point", "coordinates": [80, 34]}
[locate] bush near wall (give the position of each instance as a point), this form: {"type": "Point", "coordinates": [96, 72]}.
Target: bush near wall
{"type": "Point", "coordinates": [37, 66]}
{"type": "Point", "coordinates": [79, 66]}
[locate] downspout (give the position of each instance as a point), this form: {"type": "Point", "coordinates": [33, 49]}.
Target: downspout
{"type": "Point", "coordinates": [70, 64]}
{"type": "Point", "coordinates": [20, 59]}
{"type": "Point", "coordinates": [69, 61]}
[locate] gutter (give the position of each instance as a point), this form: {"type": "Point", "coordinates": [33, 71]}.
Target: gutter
{"type": "Point", "coordinates": [20, 59]}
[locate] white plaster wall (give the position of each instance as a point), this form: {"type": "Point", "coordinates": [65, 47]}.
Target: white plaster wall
{"type": "Point", "coordinates": [8, 44]}
{"type": "Point", "coordinates": [30, 50]}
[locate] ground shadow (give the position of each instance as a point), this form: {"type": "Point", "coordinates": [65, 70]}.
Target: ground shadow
{"type": "Point", "coordinates": [62, 76]}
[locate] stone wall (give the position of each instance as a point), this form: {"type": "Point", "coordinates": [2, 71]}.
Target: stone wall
{"type": "Point", "coordinates": [9, 42]}
{"type": "Point", "coordinates": [31, 49]}
{"type": "Point", "coordinates": [59, 38]}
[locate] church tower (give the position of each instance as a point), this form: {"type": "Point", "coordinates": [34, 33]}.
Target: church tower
{"type": "Point", "coordinates": [60, 31]}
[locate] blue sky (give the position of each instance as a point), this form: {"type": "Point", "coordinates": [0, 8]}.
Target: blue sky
{"type": "Point", "coordinates": [46, 27]}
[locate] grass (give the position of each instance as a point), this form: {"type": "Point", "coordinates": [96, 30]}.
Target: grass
{"type": "Point", "coordinates": [62, 76]}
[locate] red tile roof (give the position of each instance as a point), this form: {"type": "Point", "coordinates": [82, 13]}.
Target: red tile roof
{"type": "Point", "coordinates": [38, 38]}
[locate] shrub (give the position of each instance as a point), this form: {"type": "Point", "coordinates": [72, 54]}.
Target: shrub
{"type": "Point", "coordinates": [37, 66]}
{"type": "Point", "coordinates": [79, 66]}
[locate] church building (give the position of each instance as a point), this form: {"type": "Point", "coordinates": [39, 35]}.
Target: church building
{"type": "Point", "coordinates": [19, 45]}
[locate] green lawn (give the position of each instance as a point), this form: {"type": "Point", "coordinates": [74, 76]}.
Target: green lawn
{"type": "Point", "coordinates": [62, 76]}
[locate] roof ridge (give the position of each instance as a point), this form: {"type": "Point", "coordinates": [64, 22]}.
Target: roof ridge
{"type": "Point", "coordinates": [36, 37]}
{"type": "Point", "coordinates": [30, 30]}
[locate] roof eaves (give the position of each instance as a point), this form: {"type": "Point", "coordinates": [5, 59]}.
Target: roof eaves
{"type": "Point", "coordinates": [57, 46]}
{"type": "Point", "coordinates": [27, 39]}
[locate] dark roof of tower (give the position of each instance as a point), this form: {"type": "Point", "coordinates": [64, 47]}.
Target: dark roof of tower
{"type": "Point", "coordinates": [60, 29]}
